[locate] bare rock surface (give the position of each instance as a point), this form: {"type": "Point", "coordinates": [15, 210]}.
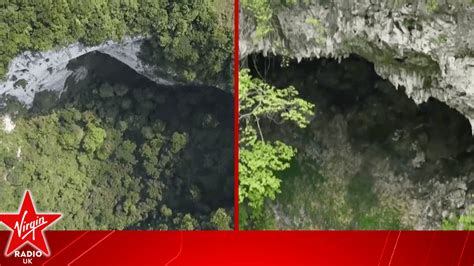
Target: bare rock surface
{"type": "Point", "coordinates": [429, 50]}
{"type": "Point", "coordinates": [33, 72]}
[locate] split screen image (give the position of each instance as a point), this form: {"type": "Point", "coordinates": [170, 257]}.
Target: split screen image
{"type": "Point", "coordinates": [352, 115]}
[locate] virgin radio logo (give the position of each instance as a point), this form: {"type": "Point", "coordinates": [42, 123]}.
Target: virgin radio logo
{"type": "Point", "coordinates": [28, 228]}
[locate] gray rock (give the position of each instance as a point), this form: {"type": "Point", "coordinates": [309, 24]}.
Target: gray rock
{"type": "Point", "coordinates": [40, 71]}
{"type": "Point", "coordinates": [426, 49]}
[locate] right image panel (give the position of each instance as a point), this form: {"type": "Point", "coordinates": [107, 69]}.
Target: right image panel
{"type": "Point", "coordinates": [356, 115]}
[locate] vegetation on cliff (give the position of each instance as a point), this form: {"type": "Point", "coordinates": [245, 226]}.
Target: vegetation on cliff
{"type": "Point", "coordinates": [192, 37]}
{"type": "Point", "coordinates": [109, 157]}
{"type": "Point", "coordinates": [114, 150]}
{"type": "Point", "coordinates": [261, 159]}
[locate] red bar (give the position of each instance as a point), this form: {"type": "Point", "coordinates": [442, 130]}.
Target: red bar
{"type": "Point", "coordinates": [365, 248]}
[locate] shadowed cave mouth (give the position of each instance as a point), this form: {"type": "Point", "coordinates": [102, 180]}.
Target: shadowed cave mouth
{"type": "Point", "coordinates": [381, 120]}
{"type": "Point", "coordinates": [202, 179]}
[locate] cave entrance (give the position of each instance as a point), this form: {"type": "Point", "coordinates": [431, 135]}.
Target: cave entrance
{"type": "Point", "coordinates": [367, 139]}
{"type": "Point", "coordinates": [377, 113]}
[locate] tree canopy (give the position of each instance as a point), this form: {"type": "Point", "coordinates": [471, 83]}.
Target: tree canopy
{"type": "Point", "coordinates": [260, 160]}
{"type": "Point", "coordinates": [193, 37]}
{"type": "Point", "coordinates": [110, 156]}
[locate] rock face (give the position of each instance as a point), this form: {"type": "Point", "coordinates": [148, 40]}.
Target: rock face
{"type": "Point", "coordinates": [371, 158]}
{"type": "Point", "coordinates": [424, 46]}
{"type": "Point", "coordinates": [32, 72]}
{"type": "Point", "coordinates": [8, 124]}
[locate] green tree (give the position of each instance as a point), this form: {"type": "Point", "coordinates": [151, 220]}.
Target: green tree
{"type": "Point", "coordinates": [150, 152]}
{"type": "Point", "coordinates": [125, 152]}
{"type": "Point", "coordinates": [94, 138]}
{"type": "Point", "coordinates": [221, 220]}
{"type": "Point", "coordinates": [186, 222]}
{"type": "Point", "coordinates": [178, 142]}
{"type": "Point", "coordinates": [263, 13]}
{"type": "Point", "coordinates": [260, 159]}
{"type": "Point", "coordinates": [71, 136]}
{"type": "Point", "coordinates": [257, 167]}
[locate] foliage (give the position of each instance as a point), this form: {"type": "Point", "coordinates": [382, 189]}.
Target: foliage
{"type": "Point", "coordinates": [178, 142]}
{"type": "Point", "coordinates": [263, 12]}
{"type": "Point", "coordinates": [257, 167]}
{"type": "Point", "coordinates": [319, 28]}
{"type": "Point", "coordinates": [93, 138]}
{"type": "Point", "coordinates": [181, 33]}
{"type": "Point", "coordinates": [108, 167]}
{"type": "Point", "coordinates": [259, 159]}
{"type": "Point", "coordinates": [257, 99]}
{"type": "Point", "coordinates": [432, 6]}
{"type": "Point", "coordinates": [463, 222]}
{"type": "Point", "coordinates": [221, 220]}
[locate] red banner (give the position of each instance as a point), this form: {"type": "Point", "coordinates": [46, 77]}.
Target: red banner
{"type": "Point", "coordinates": [378, 248]}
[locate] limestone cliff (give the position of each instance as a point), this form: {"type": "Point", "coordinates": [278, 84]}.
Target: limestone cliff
{"type": "Point", "coordinates": [32, 72]}
{"type": "Point", "coordinates": [425, 46]}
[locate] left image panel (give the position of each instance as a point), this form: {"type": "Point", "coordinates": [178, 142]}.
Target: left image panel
{"type": "Point", "coordinates": [119, 114]}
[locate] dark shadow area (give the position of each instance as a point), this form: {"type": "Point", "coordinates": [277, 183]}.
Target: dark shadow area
{"type": "Point", "coordinates": [370, 157]}
{"type": "Point", "coordinates": [377, 114]}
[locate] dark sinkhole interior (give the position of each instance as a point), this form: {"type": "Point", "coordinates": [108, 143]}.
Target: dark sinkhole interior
{"type": "Point", "coordinates": [364, 130]}
{"type": "Point", "coordinates": [201, 179]}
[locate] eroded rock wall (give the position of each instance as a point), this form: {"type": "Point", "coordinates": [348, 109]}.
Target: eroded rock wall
{"type": "Point", "coordinates": [428, 49]}
{"type": "Point", "coordinates": [371, 158]}
{"type": "Point", "coordinates": [32, 72]}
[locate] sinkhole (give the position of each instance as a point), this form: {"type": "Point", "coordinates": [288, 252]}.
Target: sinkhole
{"type": "Point", "coordinates": [369, 152]}
{"type": "Point", "coordinates": [159, 153]}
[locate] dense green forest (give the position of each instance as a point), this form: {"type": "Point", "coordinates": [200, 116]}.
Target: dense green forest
{"type": "Point", "coordinates": [115, 150]}
{"type": "Point", "coordinates": [194, 37]}
{"type": "Point", "coordinates": [108, 154]}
